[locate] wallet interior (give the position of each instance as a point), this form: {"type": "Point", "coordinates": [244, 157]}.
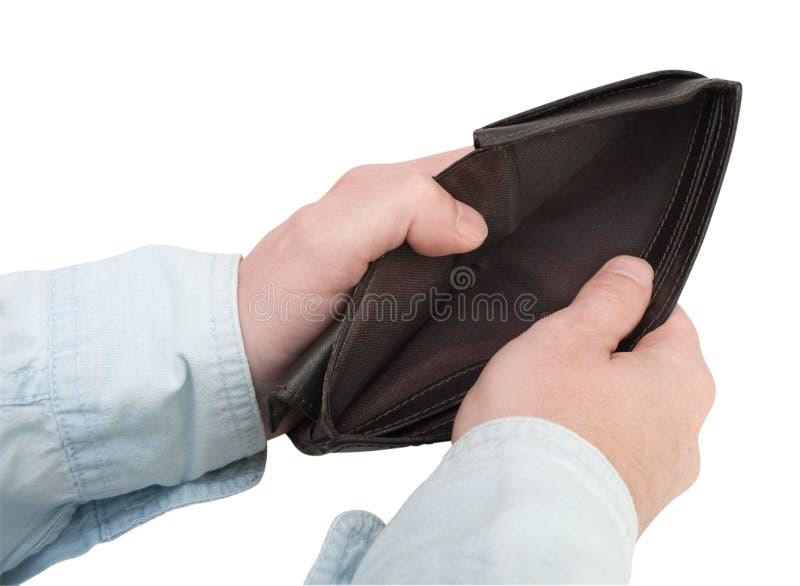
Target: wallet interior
{"type": "Point", "coordinates": [631, 168]}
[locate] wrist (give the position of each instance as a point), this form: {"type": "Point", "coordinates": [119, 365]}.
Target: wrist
{"type": "Point", "coordinates": [271, 335]}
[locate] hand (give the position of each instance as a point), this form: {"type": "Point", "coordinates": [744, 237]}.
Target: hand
{"type": "Point", "coordinates": [643, 409]}
{"type": "Point", "coordinates": [324, 248]}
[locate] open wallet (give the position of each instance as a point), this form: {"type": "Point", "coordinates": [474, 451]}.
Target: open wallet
{"type": "Point", "coordinates": [629, 168]}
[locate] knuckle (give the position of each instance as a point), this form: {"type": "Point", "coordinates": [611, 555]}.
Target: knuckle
{"type": "Point", "coordinates": [709, 388]}
{"type": "Point", "coordinates": [681, 326]}
{"type": "Point", "coordinates": [356, 175]}
{"type": "Point", "coordinates": [552, 326]}
{"type": "Point", "coordinates": [570, 323]}
{"type": "Point", "coordinates": [304, 219]}
{"type": "Point", "coordinates": [574, 338]}
{"type": "Point", "coordinates": [580, 327]}
{"type": "Point", "coordinates": [301, 229]}
{"type": "Point", "coordinates": [564, 332]}
{"type": "Point", "coordinates": [359, 171]}
{"type": "Point", "coordinates": [688, 333]}
{"type": "Point", "coordinates": [615, 290]}
{"type": "Point", "coordinates": [419, 184]}
{"type": "Point", "coordinates": [689, 328]}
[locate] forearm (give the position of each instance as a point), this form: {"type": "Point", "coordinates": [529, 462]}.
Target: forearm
{"type": "Point", "coordinates": [123, 379]}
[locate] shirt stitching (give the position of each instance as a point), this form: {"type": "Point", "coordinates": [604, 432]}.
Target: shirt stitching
{"type": "Point", "coordinates": [98, 453]}
{"type": "Point", "coordinates": [220, 368]}
{"type": "Point", "coordinates": [77, 476]}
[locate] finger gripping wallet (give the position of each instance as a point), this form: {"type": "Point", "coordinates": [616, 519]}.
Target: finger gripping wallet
{"type": "Point", "coordinates": [629, 168]}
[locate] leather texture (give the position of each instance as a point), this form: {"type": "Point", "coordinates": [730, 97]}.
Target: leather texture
{"type": "Point", "coordinates": [629, 168]}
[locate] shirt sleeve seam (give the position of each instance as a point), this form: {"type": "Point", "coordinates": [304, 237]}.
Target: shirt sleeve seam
{"type": "Point", "coordinates": [55, 406]}
{"type": "Point", "coordinates": [127, 519]}
{"type": "Point", "coordinates": [236, 384]}
{"type": "Point", "coordinates": [215, 334]}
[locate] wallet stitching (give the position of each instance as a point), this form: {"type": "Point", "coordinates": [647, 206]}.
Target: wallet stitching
{"type": "Point", "coordinates": [327, 446]}
{"type": "Point", "coordinates": [672, 199]}
{"type": "Point", "coordinates": [431, 428]}
{"type": "Point", "coordinates": [709, 205]}
{"type": "Point", "coordinates": [694, 196]}
{"type": "Point", "coordinates": [687, 208]}
{"type": "Point", "coordinates": [418, 415]}
{"type": "Point", "coordinates": [682, 268]}
{"type": "Point", "coordinates": [296, 395]}
{"type": "Point", "coordinates": [605, 110]}
{"type": "Point", "coordinates": [578, 101]}
{"type": "Point", "coordinates": [415, 396]}
{"type": "Point", "coordinates": [467, 159]}
{"type": "Point", "coordinates": [334, 360]}
{"type": "Point", "coordinates": [590, 99]}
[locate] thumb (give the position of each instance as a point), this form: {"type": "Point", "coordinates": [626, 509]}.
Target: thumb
{"type": "Point", "coordinates": [417, 209]}
{"type": "Point", "coordinates": [613, 301]}
{"type": "Point", "coordinates": [373, 209]}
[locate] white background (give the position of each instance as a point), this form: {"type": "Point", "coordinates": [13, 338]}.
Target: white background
{"type": "Point", "coordinates": [204, 124]}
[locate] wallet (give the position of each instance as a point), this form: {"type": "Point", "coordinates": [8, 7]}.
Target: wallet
{"type": "Point", "coordinates": [633, 168]}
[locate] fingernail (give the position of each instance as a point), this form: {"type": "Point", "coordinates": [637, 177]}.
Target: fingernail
{"type": "Point", "coordinates": [470, 224]}
{"type": "Point", "coordinates": [634, 268]}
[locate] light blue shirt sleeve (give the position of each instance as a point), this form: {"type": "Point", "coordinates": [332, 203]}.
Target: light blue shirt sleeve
{"type": "Point", "coordinates": [124, 393]}
{"type": "Point", "coordinates": [516, 500]}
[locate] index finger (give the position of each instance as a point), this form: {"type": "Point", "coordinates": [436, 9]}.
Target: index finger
{"type": "Point", "coordinates": [434, 164]}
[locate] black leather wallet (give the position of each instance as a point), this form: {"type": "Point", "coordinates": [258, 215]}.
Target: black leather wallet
{"type": "Point", "coordinates": [629, 168]}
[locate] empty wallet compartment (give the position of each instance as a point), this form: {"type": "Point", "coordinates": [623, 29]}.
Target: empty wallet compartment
{"type": "Point", "coordinates": [630, 168]}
